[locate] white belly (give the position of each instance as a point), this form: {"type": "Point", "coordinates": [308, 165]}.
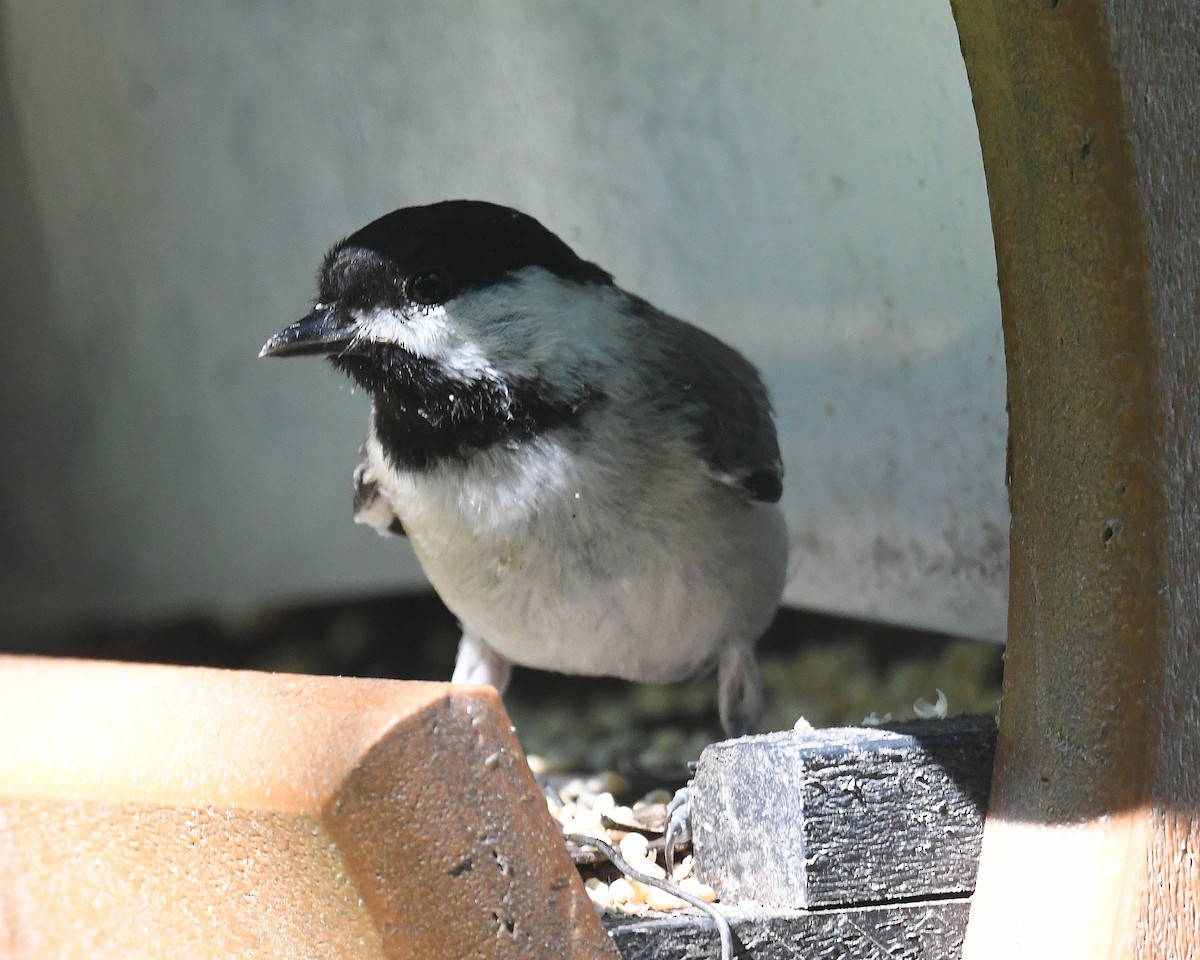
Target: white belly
{"type": "Point", "coordinates": [565, 565]}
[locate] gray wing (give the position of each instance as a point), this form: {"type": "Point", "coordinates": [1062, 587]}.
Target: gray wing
{"type": "Point", "coordinates": [730, 412]}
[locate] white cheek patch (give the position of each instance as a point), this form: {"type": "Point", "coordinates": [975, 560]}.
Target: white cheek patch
{"type": "Point", "coordinates": [431, 334]}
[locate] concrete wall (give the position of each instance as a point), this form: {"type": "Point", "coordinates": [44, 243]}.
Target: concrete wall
{"type": "Point", "coordinates": [802, 178]}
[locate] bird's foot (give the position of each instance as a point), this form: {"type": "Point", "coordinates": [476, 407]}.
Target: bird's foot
{"type": "Point", "coordinates": [371, 507]}
{"type": "Point", "coordinates": [678, 831]}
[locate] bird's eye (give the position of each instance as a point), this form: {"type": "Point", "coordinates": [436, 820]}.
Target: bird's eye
{"type": "Point", "coordinates": [429, 288]}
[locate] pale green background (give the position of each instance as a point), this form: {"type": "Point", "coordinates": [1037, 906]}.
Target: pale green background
{"type": "Point", "coordinates": [802, 178]}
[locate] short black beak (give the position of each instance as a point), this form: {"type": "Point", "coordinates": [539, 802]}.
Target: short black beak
{"type": "Point", "coordinates": [318, 333]}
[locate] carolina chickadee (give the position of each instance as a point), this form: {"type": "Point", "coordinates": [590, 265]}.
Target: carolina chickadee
{"type": "Point", "coordinates": [590, 484]}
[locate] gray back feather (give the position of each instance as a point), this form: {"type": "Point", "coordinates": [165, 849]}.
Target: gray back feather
{"type": "Point", "coordinates": [731, 416]}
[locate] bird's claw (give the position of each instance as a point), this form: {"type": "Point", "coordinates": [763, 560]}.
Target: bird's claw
{"type": "Point", "coordinates": [678, 832]}
{"type": "Point", "coordinates": [371, 507]}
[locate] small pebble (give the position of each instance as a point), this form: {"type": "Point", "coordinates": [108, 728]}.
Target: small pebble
{"type": "Point", "coordinates": [932, 711]}
{"type": "Point", "coordinates": [697, 889]}
{"type": "Point", "coordinates": [598, 892]}
{"type": "Point", "coordinates": [661, 900]}
{"type": "Point", "coordinates": [649, 868]}
{"type": "Point", "coordinates": [620, 891]}
{"type": "Point", "coordinates": [635, 848]}
{"type": "Point", "coordinates": [536, 763]}
{"type": "Point", "coordinates": [604, 803]}
{"type": "Point", "coordinates": [623, 815]}
{"type": "Point", "coordinates": [683, 869]}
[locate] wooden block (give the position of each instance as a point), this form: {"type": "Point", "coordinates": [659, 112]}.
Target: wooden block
{"type": "Point", "coordinates": [845, 816]}
{"type": "Point", "coordinates": [151, 811]}
{"type": "Point", "coordinates": [908, 931]}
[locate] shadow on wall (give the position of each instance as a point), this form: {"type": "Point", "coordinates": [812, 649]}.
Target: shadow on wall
{"type": "Point", "coordinates": [36, 373]}
{"type": "Point", "coordinates": [868, 529]}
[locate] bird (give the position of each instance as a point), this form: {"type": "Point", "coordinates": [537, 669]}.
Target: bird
{"type": "Point", "coordinates": [591, 485]}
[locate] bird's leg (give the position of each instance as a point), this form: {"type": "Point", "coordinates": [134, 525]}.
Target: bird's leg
{"type": "Point", "coordinates": [739, 690]}
{"type": "Point", "coordinates": [479, 663]}
{"type": "Point", "coordinates": [740, 704]}
{"type": "Point", "coordinates": [678, 832]}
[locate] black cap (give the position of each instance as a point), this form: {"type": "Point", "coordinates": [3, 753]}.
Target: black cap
{"type": "Point", "coordinates": [471, 244]}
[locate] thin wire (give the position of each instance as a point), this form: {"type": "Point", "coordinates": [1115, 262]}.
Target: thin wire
{"type": "Point", "coordinates": [724, 931]}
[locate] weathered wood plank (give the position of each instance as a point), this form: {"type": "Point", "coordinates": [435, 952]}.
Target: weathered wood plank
{"type": "Point", "coordinates": [1089, 121]}
{"type": "Point", "coordinates": [844, 817]}
{"type": "Point", "coordinates": [910, 931]}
